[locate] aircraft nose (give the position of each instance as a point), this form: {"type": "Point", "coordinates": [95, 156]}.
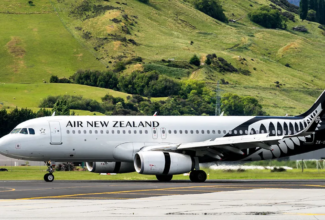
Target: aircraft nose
{"type": "Point", "coordinates": [2, 144]}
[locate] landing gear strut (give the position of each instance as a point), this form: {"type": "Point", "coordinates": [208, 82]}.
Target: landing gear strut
{"type": "Point", "coordinates": [198, 176]}
{"type": "Point", "coordinates": [164, 178]}
{"type": "Point", "coordinates": [49, 177]}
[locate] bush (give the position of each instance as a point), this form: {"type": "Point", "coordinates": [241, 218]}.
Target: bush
{"type": "Point", "coordinates": [119, 66]}
{"type": "Point", "coordinates": [144, 1]}
{"type": "Point", "coordinates": [195, 61]}
{"type": "Point", "coordinates": [54, 79]}
{"type": "Point", "coordinates": [233, 104]}
{"type": "Point", "coordinates": [212, 8]}
{"type": "Point", "coordinates": [311, 16]}
{"type": "Point", "coordinates": [278, 169]}
{"type": "Point", "coordinates": [300, 28]}
{"type": "Point", "coordinates": [268, 18]}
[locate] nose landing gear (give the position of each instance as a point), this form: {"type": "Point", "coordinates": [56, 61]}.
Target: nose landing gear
{"type": "Point", "coordinates": [49, 177]}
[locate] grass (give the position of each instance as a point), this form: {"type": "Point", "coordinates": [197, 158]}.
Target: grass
{"type": "Point", "coordinates": [30, 95]}
{"type": "Point", "coordinates": [42, 40]}
{"type": "Point", "coordinates": [37, 173]}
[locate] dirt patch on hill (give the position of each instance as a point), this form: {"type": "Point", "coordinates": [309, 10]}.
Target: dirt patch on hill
{"type": "Point", "coordinates": [15, 47]}
{"type": "Point", "coordinates": [289, 47]}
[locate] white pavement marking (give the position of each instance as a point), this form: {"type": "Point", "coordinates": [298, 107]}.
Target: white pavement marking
{"type": "Point", "coordinates": [266, 204]}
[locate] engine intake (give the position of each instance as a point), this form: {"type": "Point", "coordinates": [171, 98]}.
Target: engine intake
{"type": "Point", "coordinates": [162, 163]}
{"type": "Point", "coordinates": [110, 167]}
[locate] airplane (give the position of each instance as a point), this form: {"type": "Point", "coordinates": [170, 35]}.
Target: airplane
{"type": "Point", "coordinates": [164, 145]}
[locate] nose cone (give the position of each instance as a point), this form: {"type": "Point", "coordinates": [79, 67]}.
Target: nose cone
{"type": "Point", "coordinates": [3, 144]}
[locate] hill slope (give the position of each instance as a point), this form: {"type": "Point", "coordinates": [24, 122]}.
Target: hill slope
{"type": "Point", "coordinates": [59, 37]}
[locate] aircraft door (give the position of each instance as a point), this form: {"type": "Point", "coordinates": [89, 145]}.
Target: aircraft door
{"type": "Point", "coordinates": [56, 137]}
{"type": "Point", "coordinates": [154, 133]}
{"type": "Point", "coordinates": [163, 133]}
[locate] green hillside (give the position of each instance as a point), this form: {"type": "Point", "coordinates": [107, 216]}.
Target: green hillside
{"type": "Point", "coordinates": [58, 37]}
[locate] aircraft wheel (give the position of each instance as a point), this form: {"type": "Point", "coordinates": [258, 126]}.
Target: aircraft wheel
{"type": "Point", "coordinates": [198, 176]}
{"type": "Point", "coordinates": [49, 177]}
{"type": "Point", "coordinates": [164, 178]}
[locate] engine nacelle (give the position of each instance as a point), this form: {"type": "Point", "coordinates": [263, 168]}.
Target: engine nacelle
{"type": "Point", "coordinates": [162, 163]}
{"type": "Point", "coordinates": [110, 167]}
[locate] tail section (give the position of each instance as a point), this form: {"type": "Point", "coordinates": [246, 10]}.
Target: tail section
{"type": "Point", "coordinates": [315, 115]}
{"type": "Point", "coordinates": [320, 101]}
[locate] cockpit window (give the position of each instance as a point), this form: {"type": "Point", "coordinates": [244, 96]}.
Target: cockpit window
{"type": "Point", "coordinates": [31, 131]}
{"type": "Point", "coordinates": [15, 131]}
{"type": "Point", "coordinates": [24, 131]}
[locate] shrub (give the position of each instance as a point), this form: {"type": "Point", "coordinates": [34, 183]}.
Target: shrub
{"type": "Point", "coordinates": [144, 1]}
{"type": "Point", "coordinates": [195, 61]}
{"type": "Point", "coordinates": [119, 66]}
{"type": "Point", "coordinates": [233, 104]}
{"type": "Point", "coordinates": [278, 169]}
{"type": "Point", "coordinates": [268, 17]}
{"type": "Point", "coordinates": [212, 8]}
{"type": "Point", "coordinates": [311, 16]}
{"type": "Point", "coordinates": [54, 79]}
{"type": "Point", "coordinates": [300, 28]}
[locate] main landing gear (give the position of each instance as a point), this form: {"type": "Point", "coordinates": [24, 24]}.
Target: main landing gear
{"type": "Point", "coordinates": [198, 176]}
{"type": "Point", "coordinates": [49, 177]}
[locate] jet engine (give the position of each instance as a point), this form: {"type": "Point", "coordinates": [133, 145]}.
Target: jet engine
{"type": "Point", "coordinates": [110, 167]}
{"type": "Point", "coordinates": [162, 163]}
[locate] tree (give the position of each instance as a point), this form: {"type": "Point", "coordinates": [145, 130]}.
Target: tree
{"type": "Point", "coordinates": [313, 5]}
{"type": "Point", "coordinates": [233, 104]}
{"type": "Point", "coordinates": [195, 61]}
{"type": "Point", "coordinates": [212, 8]}
{"type": "Point", "coordinates": [61, 107]}
{"type": "Point", "coordinates": [321, 11]}
{"type": "Point", "coordinates": [304, 9]}
{"type": "Point", "coordinates": [268, 17]}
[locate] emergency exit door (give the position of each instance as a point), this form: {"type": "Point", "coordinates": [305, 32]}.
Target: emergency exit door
{"type": "Point", "coordinates": [56, 137]}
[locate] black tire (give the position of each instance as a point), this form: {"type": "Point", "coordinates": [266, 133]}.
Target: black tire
{"type": "Point", "coordinates": [198, 176]}
{"type": "Point", "coordinates": [49, 177]}
{"type": "Point", "coordinates": [201, 176]}
{"type": "Point", "coordinates": [193, 176]}
{"type": "Point", "coordinates": [45, 177]}
{"type": "Point", "coordinates": [164, 178]}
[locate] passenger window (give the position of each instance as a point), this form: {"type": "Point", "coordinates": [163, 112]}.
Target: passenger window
{"type": "Point", "coordinates": [68, 132]}
{"type": "Point", "coordinates": [73, 132]}
{"type": "Point", "coordinates": [230, 132]}
{"type": "Point", "coordinates": [146, 131]}
{"type": "Point", "coordinates": [123, 131]}
{"type": "Point", "coordinates": [240, 132]}
{"type": "Point", "coordinates": [154, 131]}
{"type": "Point", "coordinates": [107, 131]}
{"type": "Point", "coordinates": [79, 132]}
{"type": "Point", "coordinates": [163, 131]}
{"type": "Point", "coordinates": [235, 131]}
{"type": "Point", "coordinates": [180, 131]}
{"type": "Point", "coordinates": [186, 132]}
{"type": "Point", "coordinates": [85, 132]}
{"type": "Point", "coordinates": [213, 132]}
{"type": "Point", "coordinates": [118, 131]}
{"type": "Point", "coordinates": [169, 131]}
{"type": "Point", "coordinates": [31, 131]}
{"type": "Point", "coordinates": [219, 132]}
{"type": "Point", "coordinates": [101, 131]}
{"type": "Point", "coordinates": [90, 131]}
{"type": "Point", "coordinates": [129, 131]}
{"type": "Point", "coordinates": [140, 131]}
{"type": "Point", "coordinates": [112, 131]}
{"type": "Point", "coordinates": [208, 131]}
{"type": "Point", "coordinates": [246, 132]}
{"type": "Point", "coordinates": [96, 132]}
{"type": "Point", "coordinates": [135, 131]}
{"type": "Point", "coordinates": [202, 131]}
{"type": "Point", "coordinates": [192, 132]}
{"type": "Point", "coordinates": [175, 132]}
{"type": "Point", "coordinates": [224, 131]}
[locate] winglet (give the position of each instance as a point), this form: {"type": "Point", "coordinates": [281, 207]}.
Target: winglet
{"type": "Point", "coordinates": [53, 114]}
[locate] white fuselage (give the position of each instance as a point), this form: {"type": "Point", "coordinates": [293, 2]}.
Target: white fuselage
{"type": "Point", "coordinates": [94, 138]}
